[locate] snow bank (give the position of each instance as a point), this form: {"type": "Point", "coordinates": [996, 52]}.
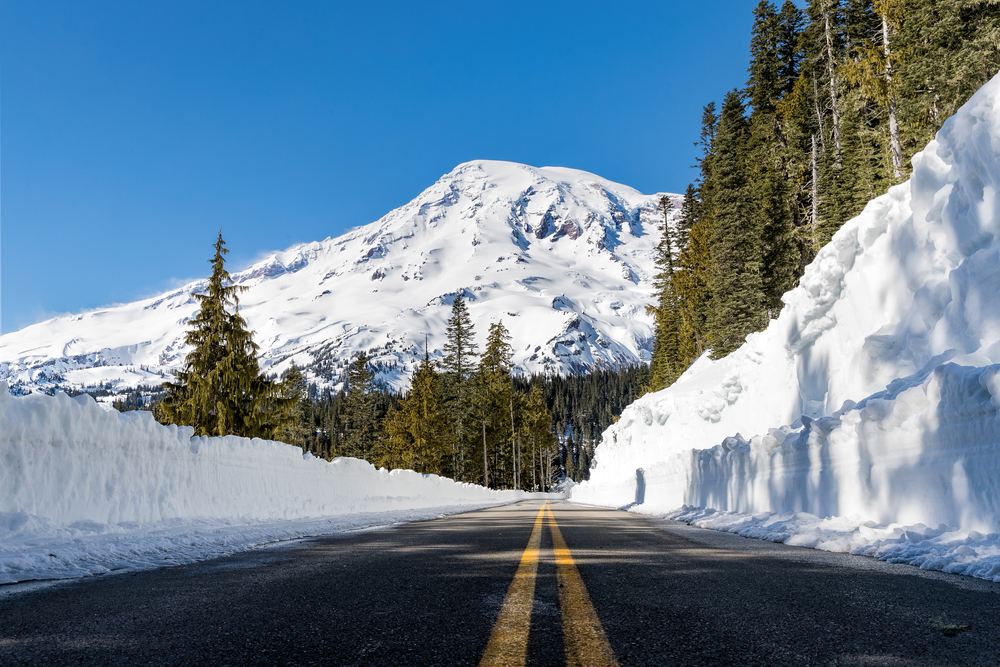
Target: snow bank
{"type": "Point", "coordinates": [875, 393]}
{"type": "Point", "coordinates": [76, 475]}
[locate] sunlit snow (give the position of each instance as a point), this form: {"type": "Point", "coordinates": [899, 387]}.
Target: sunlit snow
{"type": "Point", "coordinates": [873, 399]}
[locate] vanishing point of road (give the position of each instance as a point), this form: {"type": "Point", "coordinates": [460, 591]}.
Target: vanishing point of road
{"type": "Point", "coordinates": [535, 583]}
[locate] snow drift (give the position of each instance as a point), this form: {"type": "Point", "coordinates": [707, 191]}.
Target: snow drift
{"type": "Point", "coordinates": [72, 472]}
{"type": "Point", "coordinates": [874, 395]}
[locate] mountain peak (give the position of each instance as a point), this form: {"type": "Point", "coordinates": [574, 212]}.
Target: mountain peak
{"type": "Point", "coordinates": [562, 256]}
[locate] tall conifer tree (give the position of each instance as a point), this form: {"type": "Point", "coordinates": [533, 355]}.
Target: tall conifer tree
{"type": "Point", "coordinates": [359, 411]}
{"type": "Point", "coordinates": [666, 364]}
{"type": "Point", "coordinates": [458, 365]}
{"type": "Point", "coordinates": [737, 281]}
{"type": "Point", "coordinates": [221, 390]}
{"type": "Point", "coordinates": [493, 396]}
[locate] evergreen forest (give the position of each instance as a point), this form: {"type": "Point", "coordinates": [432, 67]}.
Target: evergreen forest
{"type": "Point", "coordinates": [838, 98]}
{"type": "Point", "coordinates": [467, 416]}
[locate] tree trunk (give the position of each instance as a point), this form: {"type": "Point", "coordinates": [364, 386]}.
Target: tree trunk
{"type": "Point", "coordinates": [486, 467]}
{"type": "Point", "coordinates": [894, 144]}
{"type": "Point", "coordinates": [534, 480]}
{"type": "Point", "coordinates": [819, 115]}
{"type": "Point", "coordinates": [513, 440]}
{"type": "Point", "coordinates": [815, 193]}
{"type": "Point", "coordinates": [833, 89]}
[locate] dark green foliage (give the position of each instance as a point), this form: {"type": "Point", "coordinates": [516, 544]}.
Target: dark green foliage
{"type": "Point", "coordinates": [221, 390]}
{"type": "Point", "coordinates": [458, 364]}
{"type": "Point", "coordinates": [582, 407]}
{"type": "Point", "coordinates": [297, 430]}
{"type": "Point", "coordinates": [417, 434]}
{"type": "Point", "coordinates": [360, 416]}
{"type": "Point", "coordinates": [493, 396]}
{"type": "Point", "coordinates": [737, 258]}
{"type": "Point", "coordinates": [839, 97]}
{"type": "Point", "coordinates": [667, 362]}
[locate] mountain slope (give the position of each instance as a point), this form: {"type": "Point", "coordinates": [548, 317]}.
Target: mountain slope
{"type": "Point", "coordinates": [563, 257]}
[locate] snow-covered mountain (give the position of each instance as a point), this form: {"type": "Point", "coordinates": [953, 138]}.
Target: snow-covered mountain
{"type": "Point", "coordinates": [563, 257]}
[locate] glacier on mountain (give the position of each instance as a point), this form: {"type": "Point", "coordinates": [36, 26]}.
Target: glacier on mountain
{"type": "Point", "coordinates": [563, 257]}
{"type": "Point", "coordinates": [866, 417]}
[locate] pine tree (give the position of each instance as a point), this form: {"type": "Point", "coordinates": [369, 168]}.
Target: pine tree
{"type": "Point", "coordinates": [769, 80]}
{"type": "Point", "coordinates": [538, 433]}
{"type": "Point", "coordinates": [948, 51]}
{"type": "Point", "coordinates": [418, 435]}
{"type": "Point", "coordinates": [221, 390]}
{"type": "Point", "coordinates": [667, 363]}
{"type": "Point", "coordinates": [492, 397]}
{"type": "Point", "coordinates": [359, 413]}
{"type": "Point", "coordinates": [737, 284]}
{"type": "Point", "coordinates": [458, 365]}
{"type": "Point", "coordinates": [297, 430]}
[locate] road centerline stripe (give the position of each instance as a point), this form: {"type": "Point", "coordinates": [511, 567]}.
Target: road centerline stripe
{"type": "Point", "coordinates": [584, 638]}
{"type": "Point", "coordinates": [508, 643]}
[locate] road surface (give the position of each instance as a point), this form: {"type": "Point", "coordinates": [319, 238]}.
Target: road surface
{"type": "Point", "coordinates": [525, 584]}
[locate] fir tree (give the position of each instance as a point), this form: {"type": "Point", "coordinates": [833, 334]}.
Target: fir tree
{"type": "Point", "coordinates": [297, 430]}
{"type": "Point", "coordinates": [493, 396]}
{"type": "Point", "coordinates": [737, 285]}
{"type": "Point", "coordinates": [418, 433]}
{"type": "Point", "coordinates": [538, 428]}
{"type": "Point", "coordinates": [691, 280]}
{"type": "Point", "coordinates": [359, 414]}
{"type": "Point", "coordinates": [221, 390]}
{"type": "Point", "coordinates": [666, 364]}
{"type": "Point", "coordinates": [458, 364]}
{"type": "Point", "coordinates": [767, 85]}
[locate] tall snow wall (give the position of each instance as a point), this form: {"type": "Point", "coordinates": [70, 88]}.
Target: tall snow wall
{"type": "Point", "coordinates": [67, 460]}
{"type": "Point", "coordinates": [875, 393]}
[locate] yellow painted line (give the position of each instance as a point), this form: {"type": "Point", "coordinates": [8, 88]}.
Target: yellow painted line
{"type": "Point", "coordinates": [508, 644]}
{"type": "Point", "coordinates": [584, 638]}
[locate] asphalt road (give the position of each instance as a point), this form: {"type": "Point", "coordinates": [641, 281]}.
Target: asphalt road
{"type": "Point", "coordinates": [430, 593]}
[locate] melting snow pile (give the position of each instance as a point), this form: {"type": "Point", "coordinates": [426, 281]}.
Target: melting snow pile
{"type": "Point", "coordinates": [872, 400]}
{"type": "Point", "coordinates": [85, 491]}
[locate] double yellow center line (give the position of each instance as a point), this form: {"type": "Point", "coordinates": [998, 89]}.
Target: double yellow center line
{"type": "Point", "coordinates": [583, 636]}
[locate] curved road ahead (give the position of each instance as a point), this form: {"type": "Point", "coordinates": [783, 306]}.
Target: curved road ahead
{"type": "Point", "coordinates": [513, 585]}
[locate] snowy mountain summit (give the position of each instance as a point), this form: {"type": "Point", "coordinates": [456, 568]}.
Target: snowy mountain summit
{"type": "Point", "coordinates": [563, 257]}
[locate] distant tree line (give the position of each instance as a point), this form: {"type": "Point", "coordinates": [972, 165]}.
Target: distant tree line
{"type": "Point", "coordinates": [466, 416]}
{"type": "Point", "coordinates": [839, 97]}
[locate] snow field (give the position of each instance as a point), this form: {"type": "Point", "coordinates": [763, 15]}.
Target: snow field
{"type": "Point", "coordinates": [563, 257]}
{"type": "Point", "coordinates": [872, 400]}
{"type": "Point", "coordinates": [115, 490]}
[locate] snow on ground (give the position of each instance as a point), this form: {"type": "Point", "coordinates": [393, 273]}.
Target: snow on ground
{"type": "Point", "coordinates": [956, 551]}
{"type": "Point", "coordinates": [84, 490]}
{"type": "Point", "coordinates": [873, 396]}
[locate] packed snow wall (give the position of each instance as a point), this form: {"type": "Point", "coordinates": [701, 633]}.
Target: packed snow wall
{"type": "Point", "coordinates": [67, 460]}
{"type": "Point", "coordinates": [874, 393]}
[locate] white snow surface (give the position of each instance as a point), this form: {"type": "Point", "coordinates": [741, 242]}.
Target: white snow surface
{"type": "Point", "coordinates": [563, 257]}
{"type": "Point", "coordinates": [871, 400]}
{"type": "Point", "coordinates": [84, 490]}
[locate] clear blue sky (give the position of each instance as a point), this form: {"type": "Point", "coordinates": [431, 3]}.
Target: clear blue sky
{"type": "Point", "coordinates": [130, 132]}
